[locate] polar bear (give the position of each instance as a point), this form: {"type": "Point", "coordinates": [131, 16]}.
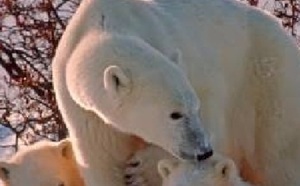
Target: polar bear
{"type": "Point", "coordinates": [44, 163]}
{"type": "Point", "coordinates": [102, 117]}
{"type": "Point", "coordinates": [216, 171]}
{"type": "Point", "coordinates": [135, 69]}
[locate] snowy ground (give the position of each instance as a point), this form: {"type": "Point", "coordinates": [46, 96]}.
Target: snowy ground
{"type": "Point", "coordinates": [6, 139]}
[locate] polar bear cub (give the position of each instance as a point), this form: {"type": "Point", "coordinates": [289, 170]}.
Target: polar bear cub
{"type": "Point", "coordinates": [216, 171]}
{"type": "Point", "coordinates": [42, 164]}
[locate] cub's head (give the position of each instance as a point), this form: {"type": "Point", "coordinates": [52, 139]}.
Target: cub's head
{"type": "Point", "coordinates": [44, 163]}
{"type": "Point", "coordinates": [211, 172]}
{"type": "Point", "coordinates": [138, 90]}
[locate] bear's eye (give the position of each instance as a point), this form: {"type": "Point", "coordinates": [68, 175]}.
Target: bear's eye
{"type": "Point", "coordinates": [61, 184]}
{"type": "Point", "coordinates": [176, 115]}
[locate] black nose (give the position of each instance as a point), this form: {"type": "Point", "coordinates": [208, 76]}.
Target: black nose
{"type": "Point", "coordinates": [204, 156]}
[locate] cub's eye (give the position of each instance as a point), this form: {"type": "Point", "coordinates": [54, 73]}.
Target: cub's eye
{"type": "Point", "coordinates": [61, 184]}
{"type": "Point", "coordinates": [176, 115]}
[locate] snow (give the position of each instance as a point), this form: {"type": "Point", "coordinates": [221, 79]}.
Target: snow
{"type": "Point", "coordinates": [6, 140]}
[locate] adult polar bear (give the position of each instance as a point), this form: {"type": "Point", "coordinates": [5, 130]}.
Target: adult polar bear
{"type": "Point", "coordinates": [243, 66]}
{"type": "Point", "coordinates": [103, 78]}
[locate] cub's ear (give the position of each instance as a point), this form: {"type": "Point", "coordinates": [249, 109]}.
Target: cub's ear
{"type": "Point", "coordinates": [65, 148]}
{"type": "Point", "coordinates": [165, 167]}
{"type": "Point", "coordinates": [5, 169]}
{"type": "Point", "coordinates": [116, 82]}
{"type": "Point", "coordinates": [226, 168]}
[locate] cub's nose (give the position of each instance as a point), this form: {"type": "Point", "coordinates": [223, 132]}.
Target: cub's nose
{"type": "Point", "coordinates": [205, 155]}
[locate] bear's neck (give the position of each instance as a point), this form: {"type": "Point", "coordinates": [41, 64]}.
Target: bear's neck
{"type": "Point", "coordinates": [101, 150]}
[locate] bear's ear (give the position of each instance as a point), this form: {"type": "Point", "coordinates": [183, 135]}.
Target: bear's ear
{"type": "Point", "coordinates": [65, 148]}
{"type": "Point", "coordinates": [116, 82]}
{"type": "Point", "coordinates": [176, 57]}
{"type": "Point", "coordinates": [5, 169]}
{"type": "Point", "coordinates": [226, 168]}
{"type": "Point", "coordinates": [165, 167]}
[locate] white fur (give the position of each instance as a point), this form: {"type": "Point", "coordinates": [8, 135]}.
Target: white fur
{"type": "Point", "coordinates": [44, 163]}
{"type": "Point", "coordinates": [241, 63]}
{"type": "Point", "coordinates": [143, 166]}
{"type": "Point", "coordinates": [127, 91]}
{"type": "Point", "coordinates": [217, 171]}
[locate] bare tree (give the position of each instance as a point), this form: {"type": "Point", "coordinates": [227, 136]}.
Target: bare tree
{"type": "Point", "coordinates": [286, 10]}
{"type": "Point", "coordinates": [29, 33]}
{"type": "Point", "coordinates": [289, 12]}
{"type": "Point", "coordinates": [253, 2]}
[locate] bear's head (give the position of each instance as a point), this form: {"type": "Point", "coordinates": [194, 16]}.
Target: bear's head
{"type": "Point", "coordinates": [44, 163]}
{"type": "Point", "coordinates": [211, 172]}
{"type": "Point", "coordinates": [139, 91]}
